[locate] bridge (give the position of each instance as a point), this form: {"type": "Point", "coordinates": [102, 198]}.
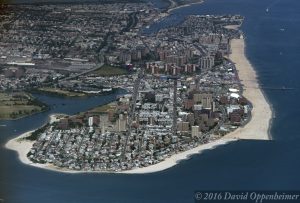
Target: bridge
{"type": "Point", "coordinates": [82, 73]}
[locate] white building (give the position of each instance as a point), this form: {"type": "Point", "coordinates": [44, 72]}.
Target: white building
{"type": "Point", "coordinates": [91, 121]}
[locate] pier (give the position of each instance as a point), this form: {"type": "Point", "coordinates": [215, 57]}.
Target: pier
{"type": "Point", "coordinates": [283, 88]}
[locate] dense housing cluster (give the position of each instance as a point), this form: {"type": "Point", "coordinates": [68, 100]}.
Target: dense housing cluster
{"type": "Point", "coordinates": [181, 89]}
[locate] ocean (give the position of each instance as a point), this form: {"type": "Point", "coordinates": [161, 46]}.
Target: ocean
{"type": "Point", "coordinates": [273, 47]}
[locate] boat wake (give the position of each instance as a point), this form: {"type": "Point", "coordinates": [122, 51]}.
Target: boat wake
{"type": "Point", "coordinates": [272, 5]}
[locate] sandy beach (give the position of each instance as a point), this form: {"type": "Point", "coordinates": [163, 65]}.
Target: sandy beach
{"type": "Point", "coordinates": [257, 128]}
{"type": "Point", "coordinates": [56, 117]}
{"type": "Point", "coordinates": [173, 160]}
{"type": "Point", "coordinates": [23, 146]}
{"type": "Point", "coordinates": [232, 27]}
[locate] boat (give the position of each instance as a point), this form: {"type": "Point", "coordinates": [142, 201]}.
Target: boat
{"type": "Point", "coordinates": [2, 125]}
{"type": "Point", "coordinates": [267, 10]}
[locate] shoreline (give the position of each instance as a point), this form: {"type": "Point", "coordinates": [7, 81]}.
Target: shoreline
{"type": "Point", "coordinates": [184, 5]}
{"type": "Point", "coordinates": [258, 128]}
{"type": "Point", "coordinates": [22, 147]}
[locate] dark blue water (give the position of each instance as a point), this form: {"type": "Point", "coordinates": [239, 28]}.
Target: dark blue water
{"type": "Point", "coordinates": [160, 3]}
{"type": "Point", "coordinates": [240, 165]}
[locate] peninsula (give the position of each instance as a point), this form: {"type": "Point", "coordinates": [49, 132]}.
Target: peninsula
{"type": "Point", "coordinates": [257, 128]}
{"type": "Point", "coordinates": [190, 88]}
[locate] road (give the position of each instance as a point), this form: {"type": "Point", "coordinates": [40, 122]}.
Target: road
{"type": "Point", "coordinates": [83, 73]}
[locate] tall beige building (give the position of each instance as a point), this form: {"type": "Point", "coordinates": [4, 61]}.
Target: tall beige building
{"type": "Point", "coordinates": [183, 126]}
{"type": "Point", "coordinates": [204, 99]}
{"type": "Point", "coordinates": [195, 131]}
{"type": "Point", "coordinates": [121, 123]}
{"type": "Point", "coordinates": [103, 122]}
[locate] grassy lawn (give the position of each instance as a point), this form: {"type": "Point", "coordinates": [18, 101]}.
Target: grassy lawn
{"type": "Point", "coordinates": [61, 92]}
{"type": "Point", "coordinates": [15, 111]}
{"type": "Point", "coordinates": [107, 70]}
{"type": "Point", "coordinates": [4, 97]}
{"type": "Point", "coordinates": [13, 106]}
{"type": "Point", "coordinates": [104, 108]}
